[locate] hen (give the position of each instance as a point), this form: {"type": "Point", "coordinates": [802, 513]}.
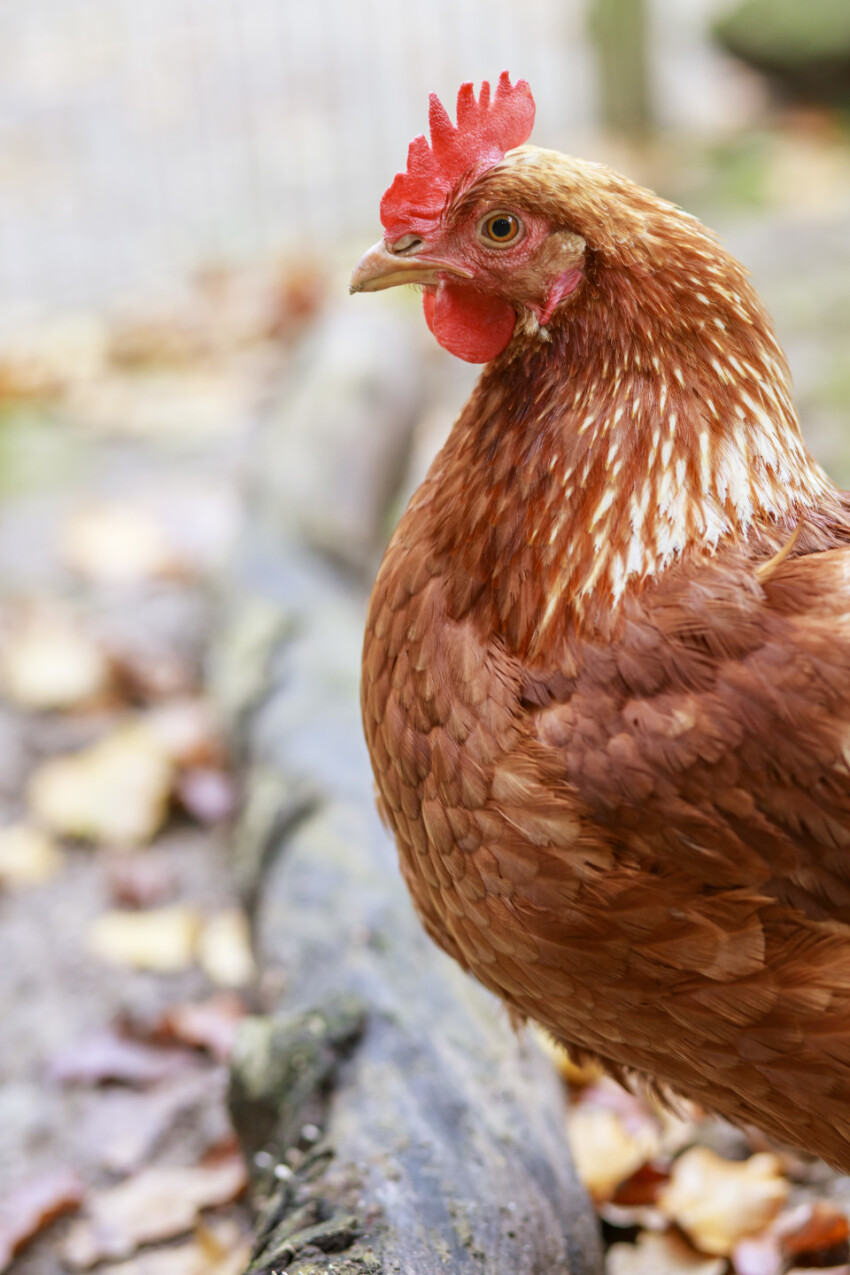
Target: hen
{"type": "Point", "coordinates": [606, 674]}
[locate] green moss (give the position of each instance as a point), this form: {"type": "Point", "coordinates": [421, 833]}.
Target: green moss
{"type": "Point", "coordinates": [36, 450]}
{"type": "Point", "coordinates": [835, 391]}
{"type": "Point", "coordinates": [283, 1068]}
{"type": "Point", "coordinates": [787, 31]}
{"type": "Point", "coordinates": [732, 174]}
{"type": "Point", "coordinates": [739, 171]}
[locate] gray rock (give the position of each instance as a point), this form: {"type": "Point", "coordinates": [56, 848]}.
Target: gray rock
{"type": "Point", "coordinates": [338, 440]}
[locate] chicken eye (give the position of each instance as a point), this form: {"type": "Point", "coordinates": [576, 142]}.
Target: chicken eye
{"type": "Point", "coordinates": [501, 227]}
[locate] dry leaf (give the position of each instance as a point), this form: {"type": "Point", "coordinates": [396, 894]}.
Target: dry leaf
{"type": "Point", "coordinates": [27, 856]}
{"type": "Point", "coordinates": [160, 939]}
{"type": "Point", "coordinates": [300, 294]}
{"type": "Point", "coordinates": [816, 1231]}
{"type": "Point", "coordinates": [140, 881]}
{"type": "Point", "coordinates": [633, 1204]}
{"type": "Point", "coordinates": [160, 403]}
{"type": "Point", "coordinates": [224, 949]}
{"type": "Point", "coordinates": [844, 1269]}
{"type": "Point", "coordinates": [34, 1205]}
{"type": "Point", "coordinates": [665, 1254]}
{"type": "Point", "coordinates": [718, 1202]}
{"type": "Point", "coordinates": [146, 670]}
{"type": "Point", "coordinates": [115, 792]}
{"type": "Point", "coordinates": [679, 1129]}
{"type": "Point", "coordinates": [177, 1259]}
{"type": "Point", "coordinates": [186, 731]}
{"type": "Point", "coordinates": [44, 359]}
{"type": "Point", "coordinates": [224, 1246]}
{"type": "Point", "coordinates": [637, 1111]}
{"type": "Point", "coordinates": [211, 1024]}
{"type": "Point", "coordinates": [216, 1250]}
{"type": "Point", "coordinates": [208, 795]}
{"type": "Point", "coordinates": [145, 342]}
{"type": "Point", "coordinates": [115, 544]}
{"type": "Point", "coordinates": [123, 1127]}
{"type": "Point", "coordinates": [812, 1228]}
{"type": "Point", "coordinates": [758, 1255]}
{"type": "Point", "coordinates": [48, 663]}
{"type": "Point", "coordinates": [107, 1056]}
{"type": "Point", "coordinates": [576, 1074]}
{"type": "Point", "coordinates": [642, 1188]}
{"type": "Point", "coordinates": [605, 1152]}
{"type": "Point", "coordinates": [158, 1204]}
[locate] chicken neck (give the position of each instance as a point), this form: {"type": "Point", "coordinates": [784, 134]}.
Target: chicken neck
{"type": "Point", "coordinates": [595, 455]}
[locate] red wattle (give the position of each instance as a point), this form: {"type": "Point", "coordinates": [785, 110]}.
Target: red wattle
{"type": "Point", "coordinates": [429, 297]}
{"type": "Point", "coordinates": [469, 324]}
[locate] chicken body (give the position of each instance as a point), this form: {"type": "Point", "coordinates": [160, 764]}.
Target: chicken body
{"type": "Point", "coordinates": [606, 674]}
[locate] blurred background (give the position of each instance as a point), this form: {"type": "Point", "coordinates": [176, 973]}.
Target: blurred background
{"type": "Point", "coordinates": [185, 186]}
{"type": "Point", "coordinates": [144, 145]}
{"type": "Point", "coordinates": [140, 141]}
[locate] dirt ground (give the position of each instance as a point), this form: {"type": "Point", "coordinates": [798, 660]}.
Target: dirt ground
{"type": "Point", "coordinates": [127, 960]}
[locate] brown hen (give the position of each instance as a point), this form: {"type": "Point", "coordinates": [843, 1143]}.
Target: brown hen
{"type": "Point", "coordinates": [606, 675]}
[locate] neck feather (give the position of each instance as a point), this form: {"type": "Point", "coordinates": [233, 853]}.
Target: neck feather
{"type": "Point", "coordinates": [652, 422]}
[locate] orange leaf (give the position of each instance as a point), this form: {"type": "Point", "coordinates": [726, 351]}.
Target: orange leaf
{"type": "Point", "coordinates": [33, 1206]}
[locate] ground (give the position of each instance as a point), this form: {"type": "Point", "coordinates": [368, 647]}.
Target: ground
{"type": "Point", "coordinates": [122, 454]}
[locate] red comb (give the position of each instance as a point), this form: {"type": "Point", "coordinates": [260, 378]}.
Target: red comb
{"type": "Point", "coordinates": [485, 131]}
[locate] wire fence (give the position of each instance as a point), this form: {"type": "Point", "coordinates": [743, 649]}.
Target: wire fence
{"type": "Point", "coordinates": [140, 139]}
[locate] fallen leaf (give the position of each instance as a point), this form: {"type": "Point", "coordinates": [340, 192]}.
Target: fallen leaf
{"type": "Point", "coordinates": [116, 544]}
{"type": "Point", "coordinates": [643, 1187]}
{"type": "Point", "coordinates": [177, 1259]}
{"type": "Point", "coordinates": [664, 1254]}
{"type": "Point", "coordinates": [159, 939]}
{"type": "Point", "coordinates": [145, 670]}
{"type": "Point", "coordinates": [631, 1217]}
{"type": "Point", "coordinates": [605, 1152]}
{"type": "Point", "coordinates": [637, 1111]}
{"type": "Point", "coordinates": [115, 792]}
{"type": "Point", "coordinates": [208, 795]}
{"type": "Point", "coordinates": [633, 1204]}
{"type": "Point", "coordinates": [28, 1209]}
{"type": "Point", "coordinates": [143, 342]}
{"type": "Point", "coordinates": [160, 403]}
{"type": "Point", "coordinates": [679, 1129]}
{"type": "Point", "coordinates": [107, 1056]}
{"type": "Point", "coordinates": [718, 1202]}
{"type": "Point", "coordinates": [123, 1127]}
{"type": "Point", "coordinates": [45, 359]}
{"type": "Point", "coordinates": [49, 663]}
{"type": "Point", "coordinates": [201, 520]}
{"type": "Point", "coordinates": [816, 1231]}
{"type": "Point", "coordinates": [812, 1228]}
{"type": "Point", "coordinates": [216, 1250]}
{"type": "Point", "coordinates": [758, 1255]}
{"type": "Point", "coordinates": [22, 379]}
{"type": "Point", "coordinates": [844, 1269]}
{"type": "Point", "coordinates": [224, 1246]}
{"type": "Point", "coordinates": [140, 881]}
{"type": "Point", "coordinates": [186, 731]}
{"type": "Point", "coordinates": [211, 1024]}
{"type": "Point", "coordinates": [300, 293]}
{"type": "Point", "coordinates": [224, 949]}
{"type": "Point", "coordinates": [576, 1074]}
{"type": "Point", "coordinates": [158, 1204]}
{"type": "Point", "coordinates": [27, 856]}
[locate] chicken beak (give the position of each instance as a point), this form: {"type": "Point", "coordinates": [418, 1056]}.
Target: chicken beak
{"type": "Point", "coordinates": [381, 268]}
